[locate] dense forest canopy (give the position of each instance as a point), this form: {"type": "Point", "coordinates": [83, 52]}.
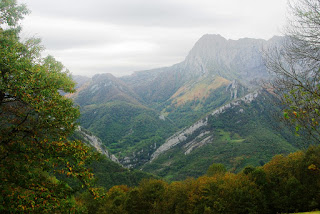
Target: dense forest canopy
{"type": "Point", "coordinates": [284, 185]}
{"type": "Point", "coordinates": [43, 171]}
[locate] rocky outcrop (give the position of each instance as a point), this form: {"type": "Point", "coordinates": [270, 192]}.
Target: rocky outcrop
{"type": "Point", "coordinates": [178, 138]}
{"type": "Point", "coordinates": [96, 143]}
{"type": "Point", "coordinates": [231, 59]}
{"type": "Point", "coordinates": [212, 63]}
{"type": "Point", "coordinates": [211, 55]}
{"type": "Point", "coordinates": [198, 141]}
{"type": "Point", "coordinates": [246, 99]}
{"type": "Point", "coordinates": [233, 88]}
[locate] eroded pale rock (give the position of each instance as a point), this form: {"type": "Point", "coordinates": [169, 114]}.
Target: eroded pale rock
{"type": "Point", "coordinates": [178, 138]}
{"type": "Point", "coordinates": [97, 144]}
{"type": "Point", "coordinates": [181, 136]}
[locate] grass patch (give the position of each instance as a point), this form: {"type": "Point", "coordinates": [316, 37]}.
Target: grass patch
{"type": "Point", "coordinates": [229, 137]}
{"type": "Point", "coordinates": [198, 91]}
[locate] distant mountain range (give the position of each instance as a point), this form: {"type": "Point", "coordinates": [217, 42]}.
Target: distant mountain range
{"type": "Point", "coordinates": [176, 121]}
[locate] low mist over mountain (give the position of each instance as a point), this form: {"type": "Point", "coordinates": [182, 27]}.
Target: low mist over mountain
{"type": "Point", "coordinates": [176, 121]}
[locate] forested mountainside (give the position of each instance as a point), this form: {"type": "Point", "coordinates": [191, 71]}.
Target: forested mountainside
{"type": "Point", "coordinates": [286, 184]}
{"type": "Point", "coordinates": [107, 169]}
{"type": "Point", "coordinates": [196, 137]}
{"type": "Point", "coordinates": [176, 121]}
{"type": "Point", "coordinates": [243, 132]}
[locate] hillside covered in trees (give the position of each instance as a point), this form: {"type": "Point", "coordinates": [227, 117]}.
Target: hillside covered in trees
{"type": "Point", "coordinates": [205, 128]}
{"type": "Point", "coordinates": [286, 184]}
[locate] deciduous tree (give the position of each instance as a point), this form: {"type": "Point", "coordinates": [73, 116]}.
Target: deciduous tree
{"type": "Point", "coordinates": [35, 122]}
{"type": "Point", "coordinates": [296, 67]}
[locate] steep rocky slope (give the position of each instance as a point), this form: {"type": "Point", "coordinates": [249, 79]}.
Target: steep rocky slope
{"type": "Point", "coordinates": [245, 131]}
{"type": "Point", "coordinates": [107, 169]}
{"type": "Point", "coordinates": [176, 121]}
{"type": "Point", "coordinates": [200, 128]}
{"type": "Point", "coordinates": [95, 142]}
{"type": "Point", "coordinates": [212, 55]}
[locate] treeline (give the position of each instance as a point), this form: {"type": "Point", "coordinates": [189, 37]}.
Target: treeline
{"type": "Point", "coordinates": [109, 174]}
{"type": "Point", "coordinates": [285, 184]}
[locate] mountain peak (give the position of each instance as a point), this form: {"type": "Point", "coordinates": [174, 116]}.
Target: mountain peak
{"type": "Point", "coordinates": [212, 56]}
{"type": "Point", "coordinates": [212, 37]}
{"type": "Point", "coordinates": [208, 40]}
{"type": "Point", "coordinates": [231, 59]}
{"type": "Point", "coordinates": [104, 76]}
{"type": "Point", "coordinates": [105, 88]}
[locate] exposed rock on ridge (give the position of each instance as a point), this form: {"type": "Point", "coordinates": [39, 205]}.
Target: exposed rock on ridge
{"type": "Point", "coordinates": [181, 137]}
{"type": "Point", "coordinates": [97, 144]}
{"type": "Point", "coordinates": [178, 138]}
{"type": "Point", "coordinates": [211, 55]}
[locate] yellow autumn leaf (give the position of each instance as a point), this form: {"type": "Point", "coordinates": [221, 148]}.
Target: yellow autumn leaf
{"type": "Point", "coordinates": [312, 167]}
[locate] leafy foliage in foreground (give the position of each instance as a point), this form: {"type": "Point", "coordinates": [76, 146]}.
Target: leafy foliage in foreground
{"type": "Point", "coordinates": [35, 121]}
{"type": "Point", "coordinates": [295, 67]}
{"type": "Point", "coordinates": [285, 184]}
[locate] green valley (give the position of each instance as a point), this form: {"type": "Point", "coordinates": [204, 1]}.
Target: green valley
{"type": "Point", "coordinates": [176, 121]}
{"type": "Point", "coordinates": [234, 127]}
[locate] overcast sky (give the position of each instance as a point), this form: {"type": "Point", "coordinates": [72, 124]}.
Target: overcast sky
{"type": "Point", "coordinates": [122, 36]}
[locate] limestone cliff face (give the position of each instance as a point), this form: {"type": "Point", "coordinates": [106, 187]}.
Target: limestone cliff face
{"type": "Point", "coordinates": [178, 138]}
{"type": "Point", "coordinates": [138, 158]}
{"type": "Point", "coordinates": [231, 59]}
{"type": "Point", "coordinates": [217, 75]}
{"type": "Point", "coordinates": [197, 134]}
{"type": "Point", "coordinates": [212, 55]}
{"type": "Point", "coordinates": [198, 129]}
{"type": "Point", "coordinates": [96, 143]}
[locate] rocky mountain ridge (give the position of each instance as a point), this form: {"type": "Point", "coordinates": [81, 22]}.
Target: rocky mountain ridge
{"type": "Point", "coordinates": [96, 143]}
{"type": "Point", "coordinates": [157, 120]}
{"type": "Point", "coordinates": [102, 88]}
{"type": "Point", "coordinates": [181, 136]}
{"type": "Point", "coordinates": [212, 55]}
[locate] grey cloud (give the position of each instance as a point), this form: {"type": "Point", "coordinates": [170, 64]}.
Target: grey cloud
{"type": "Point", "coordinates": [61, 43]}
{"type": "Point", "coordinates": [65, 34]}
{"type": "Point", "coordinates": [133, 12]}
{"type": "Point", "coordinates": [122, 36]}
